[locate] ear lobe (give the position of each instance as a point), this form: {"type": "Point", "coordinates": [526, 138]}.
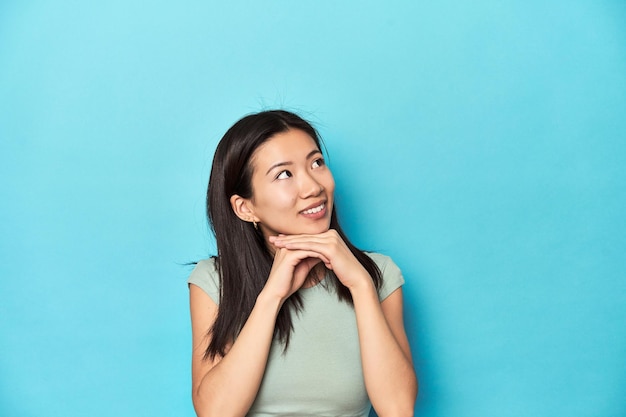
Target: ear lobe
{"type": "Point", "coordinates": [242, 209]}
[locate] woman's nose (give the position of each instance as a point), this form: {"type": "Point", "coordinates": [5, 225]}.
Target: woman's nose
{"type": "Point", "coordinates": [310, 187]}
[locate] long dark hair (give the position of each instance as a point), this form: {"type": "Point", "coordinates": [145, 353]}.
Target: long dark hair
{"type": "Point", "coordinates": [243, 260]}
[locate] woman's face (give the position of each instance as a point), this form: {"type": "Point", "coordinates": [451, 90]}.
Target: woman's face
{"type": "Point", "coordinates": [292, 188]}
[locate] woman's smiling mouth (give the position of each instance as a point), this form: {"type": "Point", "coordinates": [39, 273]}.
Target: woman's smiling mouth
{"type": "Point", "coordinates": [315, 212]}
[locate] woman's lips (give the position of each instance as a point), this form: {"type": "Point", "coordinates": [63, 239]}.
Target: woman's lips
{"type": "Point", "coordinates": [316, 212]}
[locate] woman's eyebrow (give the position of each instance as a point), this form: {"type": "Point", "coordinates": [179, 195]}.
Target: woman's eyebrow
{"type": "Point", "coordinates": [281, 164]}
{"type": "Point", "coordinates": [313, 152]}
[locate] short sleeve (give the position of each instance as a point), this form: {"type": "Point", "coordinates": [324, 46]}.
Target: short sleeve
{"type": "Point", "coordinates": [391, 274]}
{"type": "Point", "coordinates": [205, 276]}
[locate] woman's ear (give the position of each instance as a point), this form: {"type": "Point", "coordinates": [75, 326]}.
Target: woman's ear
{"type": "Point", "coordinates": [243, 208]}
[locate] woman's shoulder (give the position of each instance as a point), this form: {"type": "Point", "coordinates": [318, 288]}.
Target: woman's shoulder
{"type": "Point", "coordinates": [206, 276]}
{"type": "Point", "coordinates": [390, 273]}
{"type": "Point", "coordinates": [383, 262]}
{"type": "Point", "coordinates": [207, 265]}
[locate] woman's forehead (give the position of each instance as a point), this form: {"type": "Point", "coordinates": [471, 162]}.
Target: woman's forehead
{"type": "Point", "coordinates": [289, 146]}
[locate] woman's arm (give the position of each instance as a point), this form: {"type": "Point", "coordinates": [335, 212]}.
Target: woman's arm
{"type": "Point", "coordinates": [385, 355]}
{"type": "Point", "coordinates": [227, 386]}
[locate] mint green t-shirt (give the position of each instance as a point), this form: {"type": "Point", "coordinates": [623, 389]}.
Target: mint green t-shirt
{"type": "Point", "coordinates": [320, 374]}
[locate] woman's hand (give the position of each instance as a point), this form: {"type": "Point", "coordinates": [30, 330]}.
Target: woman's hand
{"type": "Point", "coordinates": [330, 249]}
{"type": "Point", "coordinates": [290, 269]}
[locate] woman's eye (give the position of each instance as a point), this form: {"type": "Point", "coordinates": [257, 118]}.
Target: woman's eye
{"type": "Point", "coordinates": [318, 162]}
{"type": "Point", "coordinates": [283, 175]}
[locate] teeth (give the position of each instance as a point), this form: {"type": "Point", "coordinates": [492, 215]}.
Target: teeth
{"type": "Point", "coordinates": [314, 209]}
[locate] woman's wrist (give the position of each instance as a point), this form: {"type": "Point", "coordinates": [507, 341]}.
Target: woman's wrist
{"type": "Point", "coordinates": [267, 300]}
{"type": "Point", "coordinates": [362, 287]}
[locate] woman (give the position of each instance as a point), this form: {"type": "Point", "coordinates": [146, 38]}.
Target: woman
{"type": "Point", "coordinates": [290, 318]}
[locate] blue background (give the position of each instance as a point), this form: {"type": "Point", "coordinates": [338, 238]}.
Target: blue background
{"type": "Point", "coordinates": [480, 144]}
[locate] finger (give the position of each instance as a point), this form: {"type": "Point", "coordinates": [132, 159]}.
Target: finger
{"type": "Point", "coordinates": [298, 236]}
{"type": "Point", "coordinates": [321, 246]}
{"type": "Point", "coordinates": [301, 255]}
{"type": "Point", "coordinates": [328, 235]}
{"type": "Point", "coordinates": [297, 255]}
{"type": "Point", "coordinates": [300, 239]}
{"type": "Point", "coordinates": [278, 236]}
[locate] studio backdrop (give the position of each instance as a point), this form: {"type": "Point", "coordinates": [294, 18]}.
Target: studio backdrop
{"type": "Point", "coordinates": [479, 144]}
